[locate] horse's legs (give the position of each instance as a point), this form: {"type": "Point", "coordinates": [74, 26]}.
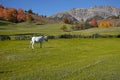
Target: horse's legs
{"type": "Point", "coordinates": [40, 44]}
{"type": "Point", "coordinates": [32, 43]}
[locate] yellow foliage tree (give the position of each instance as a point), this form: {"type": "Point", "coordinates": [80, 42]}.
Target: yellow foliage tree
{"type": "Point", "coordinates": [105, 24]}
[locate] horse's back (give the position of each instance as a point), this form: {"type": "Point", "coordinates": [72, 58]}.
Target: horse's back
{"type": "Point", "coordinates": [37, 39]}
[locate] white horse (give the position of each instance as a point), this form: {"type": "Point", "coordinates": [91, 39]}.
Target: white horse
{"type": "Point", "coordinates": [38, 39]}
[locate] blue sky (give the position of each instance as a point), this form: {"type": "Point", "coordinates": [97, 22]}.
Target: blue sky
{"type": "Point", "coordinates": [49, 7]}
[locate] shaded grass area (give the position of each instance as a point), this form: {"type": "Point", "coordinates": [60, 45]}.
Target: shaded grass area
{"type": "Point", "coordinates": [61, 59]}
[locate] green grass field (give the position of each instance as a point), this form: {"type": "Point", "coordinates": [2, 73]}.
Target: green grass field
{"type": "Point", "coordinates": [61, 59]}
{"type": "Point", "coordinates": [7, 28]}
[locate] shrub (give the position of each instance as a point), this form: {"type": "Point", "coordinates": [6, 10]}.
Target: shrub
{"type": "Point", "coordinates": [95, 35]}
{"type": "Point", "coordinates": [64, 28]}
{"type": "Point", "coordinates": [5, 37]}
{"type": "Point", "coordinates": [66, 36]}
{"type": "Point", "coordinates": [22, 37]}
{"type": "Point", "coordinates": [118, 36]}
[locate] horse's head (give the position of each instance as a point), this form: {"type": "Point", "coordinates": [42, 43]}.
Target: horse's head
{"type": "Point", "coordinates": [46, 38]}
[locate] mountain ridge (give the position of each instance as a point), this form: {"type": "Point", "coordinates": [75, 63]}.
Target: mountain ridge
{"type": "Point", "coordinates": [85, 14]}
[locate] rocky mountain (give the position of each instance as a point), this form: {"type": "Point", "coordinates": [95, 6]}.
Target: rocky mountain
{"type": "Point", "coordinates": [61, 15]}
{"type": "Point", "coordinates": [79, 14]}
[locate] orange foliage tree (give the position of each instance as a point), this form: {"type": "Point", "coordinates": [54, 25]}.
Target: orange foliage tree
{"type": "Point", "coordinates": [21, 16]}
{"type": "Point", "coordinates": [13, 15]}
{"type": "Point", "coordinates": [105, 24]}
{"type": "Point", "coordinates": [1, 12]}
{"type": "Point", "coordinates": [10, 14]}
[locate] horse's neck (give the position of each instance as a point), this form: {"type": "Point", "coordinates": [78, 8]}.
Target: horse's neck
{"type": "Point", "coordinates": [42, 38]}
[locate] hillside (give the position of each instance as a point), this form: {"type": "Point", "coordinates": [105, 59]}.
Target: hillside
{"type": "Point", "coordinates": [100, 12]}
{"type": "Point", "coordinates": [13, 29]}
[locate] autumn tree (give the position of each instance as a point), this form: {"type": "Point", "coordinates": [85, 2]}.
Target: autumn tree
{"type": "Point", "coordinates": [1, 12]}
{"type": "Point", "coordinates": [64, 19]}
{"type": "Point", "coordinates": [101, 24]}
{"type": "Point", "coordinates": [105, 24]}
{"type": "Point", "coordinates": [93, 23]}
{"type": "Point", "coordinates": [13, 15]}
{"type": "Point", "coordinates": [108, 24]}
{"type": "Point", "coordinates": [67, 20]}
{"type": "Point", "coordinates": [21, 16]}
{"type": "Point", "coordinates": [6, 15]}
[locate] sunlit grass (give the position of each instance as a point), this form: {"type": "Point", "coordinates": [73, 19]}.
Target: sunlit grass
{"type": "Point", "coordinates": [52, 29]}
{"type": "Point", "coordinates": [61, 59]}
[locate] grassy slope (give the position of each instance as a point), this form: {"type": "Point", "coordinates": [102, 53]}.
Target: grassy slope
{"type": "Point", "coordinates": [78, 59]}
{"type": "Point", "coordinates": [61, 59]}
{"type": "Point", "coordinates": [51, 29]}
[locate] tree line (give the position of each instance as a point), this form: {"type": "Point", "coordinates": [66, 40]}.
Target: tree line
{"type": "Point", "coordinates": [14, 15]}
{"type": "Point", "coordinates": [105, 23]}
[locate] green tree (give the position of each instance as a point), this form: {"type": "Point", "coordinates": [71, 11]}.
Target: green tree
{"type": "Point", "coordinates": [30, 11]}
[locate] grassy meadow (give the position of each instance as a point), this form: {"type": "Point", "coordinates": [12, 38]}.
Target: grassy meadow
{"type": "Point", "coordinates": [7, 28]}
{"type": "Point", "coordinates": [59, 59]}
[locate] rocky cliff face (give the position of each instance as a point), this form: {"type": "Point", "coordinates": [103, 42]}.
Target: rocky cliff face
{"type": "Point", "coordinates": [79, 14]}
